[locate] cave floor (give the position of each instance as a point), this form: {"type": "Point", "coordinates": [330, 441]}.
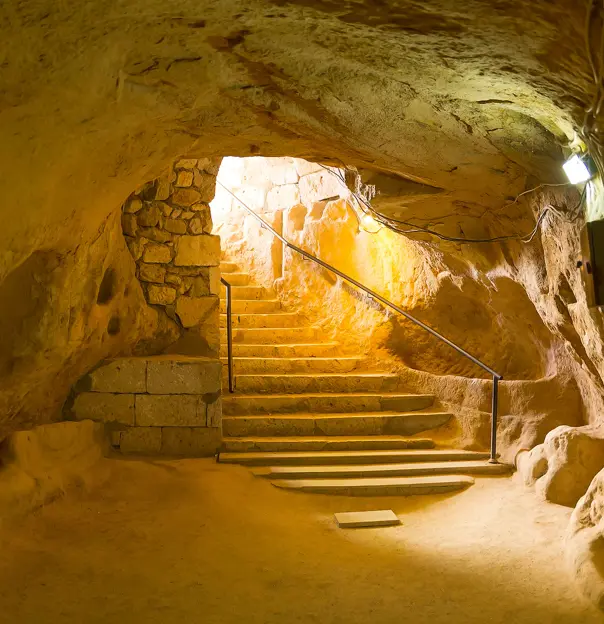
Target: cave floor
{"type": "Point", "coordinates": [192, 541]}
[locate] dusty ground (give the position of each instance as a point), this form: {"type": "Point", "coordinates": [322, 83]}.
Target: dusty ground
{"type": "Point", "coordinates": [191, 541]}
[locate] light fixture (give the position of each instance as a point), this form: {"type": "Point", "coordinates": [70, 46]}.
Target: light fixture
{"type": "Point", "coordinates": [369, 224]}
{"type": "Point", "coordinates": [578, 169]}
{"type": "Point", "coordinates": [366, 222]}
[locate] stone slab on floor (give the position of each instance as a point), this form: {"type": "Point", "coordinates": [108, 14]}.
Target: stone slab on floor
{"type": "Point", "coordinates": [361, 519]}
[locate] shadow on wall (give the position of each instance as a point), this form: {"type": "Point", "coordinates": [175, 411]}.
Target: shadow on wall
{"type": "Point", "coordinates": [499, 324]}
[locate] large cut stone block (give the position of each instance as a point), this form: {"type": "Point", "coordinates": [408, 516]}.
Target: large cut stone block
{"type": "Point", "coordinates": [190, 441]}
{"type": "Point", "coordinates": [183, 375]}
{"type": "Point", "coordinates": [203, 250]}
{"type": "Point", "coordinates": [214, 413]}
{"type": "Point", "coordinates": [122, 376]}
{"type": "Point", "coordinates": [145, 440]}
{"type": "Point", "coordinates": [172, 410]}
{"type": "Point", "coordinates": [194, 311]}
{"type": "Point", "coordinates": [105, 407]}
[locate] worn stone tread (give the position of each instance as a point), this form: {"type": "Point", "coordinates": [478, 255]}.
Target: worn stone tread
{"type": "Point", "coordinates": [322, 443]}
{"type": "Point", "coordinates": [324, 402]}
{"type": "Point", "coordinates": [398, 423]}
{"type": "Point", "coordinates": [467, 467]}
{"type": "Point", "coordinates": [323, 375]}
{"type": "Point", "coordinates": [329, 394]}
{"type": "Point", "coordinates": [270, 335]}
{"type": "Point", "coordinates": [247, 292]}
{"type": "Point", "coordinates": [284, 349]}
{"type": "Point", "coordinates": [237, 278]}
{"type": "Point", "coordinates": [252, 306]}
{"type": "Point", "coordinates": [263, 320]}
{"type": "Point", "coordinates": [349, 457]}
{"type": "Point", "coordinates": [393, 486]}
{"type": "Point", "coordinates": [246, 365]}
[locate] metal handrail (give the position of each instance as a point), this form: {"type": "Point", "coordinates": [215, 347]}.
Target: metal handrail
{"type": "Point", "coordinates": [496, 376]}
{"type": "Point", "coordinates": [229, 328]}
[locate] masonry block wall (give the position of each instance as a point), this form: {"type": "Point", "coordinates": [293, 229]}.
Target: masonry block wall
{"type": "Point", "coordinates": [168, 227]}
{"type": "Point", "coordinates": [164, 404]}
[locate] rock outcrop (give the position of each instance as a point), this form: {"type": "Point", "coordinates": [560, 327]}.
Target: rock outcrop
{"type": "Point", "coordinates": [585, 542]}
{"type": "Point", "coordinates": [562, 468]}
{"type": "Point", "coordinates": [43, 464]}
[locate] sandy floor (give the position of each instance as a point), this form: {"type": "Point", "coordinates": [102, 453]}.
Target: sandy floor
{"type": "Point", "coordinates": [190, 541]}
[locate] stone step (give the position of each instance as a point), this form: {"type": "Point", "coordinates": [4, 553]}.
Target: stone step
{"type": "Point", "coordinates": [275, 365]}
{"type": "Point", "coordinates": [321, 403]}
{"type": "Point", "coordinates": [393, 486]}
{"type": "Point", "coordinates": [362, 458]}
{"type": "Point", "coordinates": [371, 471]}
{"type": "Point", "coordinates": [247, 292]}
{"type": "Point", "coordinates": [254, 306]}
{"type": "Point", "coordinates": [322, 443]}
{"type": "Point", "coordinates": [270, 335]}
{"type": "Point", "coordinates": [237, 279]}
{"type": "Point", "coordinates": [363, 424]}
{"type": "Point", "coordinates": [228, 267]}
{"type": "Point", "coordinates": [317, 382]}
{"type": "Point", "coordinates": [293, 350]}
{"type": "Point", "coordinates": [271, 320]}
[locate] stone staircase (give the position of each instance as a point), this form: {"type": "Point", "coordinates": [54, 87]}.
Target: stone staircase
{"type": "Point", "coordinates": [311, 418]}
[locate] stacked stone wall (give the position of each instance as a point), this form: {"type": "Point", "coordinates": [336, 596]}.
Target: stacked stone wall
{"type": "Point", "coordinates": [167, 405]}
{"type": "Point", "coordinates": [168, 228]}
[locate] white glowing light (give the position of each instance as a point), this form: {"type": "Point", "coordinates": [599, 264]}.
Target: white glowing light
{"type": "Point", "coordinates": [369, 224]}
{"type": "Point", "coordinates": [576, 170]}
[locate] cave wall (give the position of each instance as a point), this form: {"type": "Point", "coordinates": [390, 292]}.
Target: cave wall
{"type": "Point", "coordinates": [98, 100]}
{"type": "Point", "coordinates": [464, 107]}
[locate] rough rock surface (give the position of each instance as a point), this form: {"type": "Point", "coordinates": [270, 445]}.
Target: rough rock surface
{"type": "Point", "coordinates": [562, 468]}
{"type": "Point", "coordinates": [585, 541]}
{"type": "Point", "coordinates": [42, 464]}
{"type": "Point", "coordinates": [457, 109]}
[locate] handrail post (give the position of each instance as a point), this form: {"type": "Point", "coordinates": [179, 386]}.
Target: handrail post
{"type": "Point", "coordinates": [493, 458]}
{"type": "Point", "coordinates": [229, 328]}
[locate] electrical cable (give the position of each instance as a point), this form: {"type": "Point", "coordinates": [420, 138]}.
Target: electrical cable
{"type": "Point", "coordinates": [390, 222]}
